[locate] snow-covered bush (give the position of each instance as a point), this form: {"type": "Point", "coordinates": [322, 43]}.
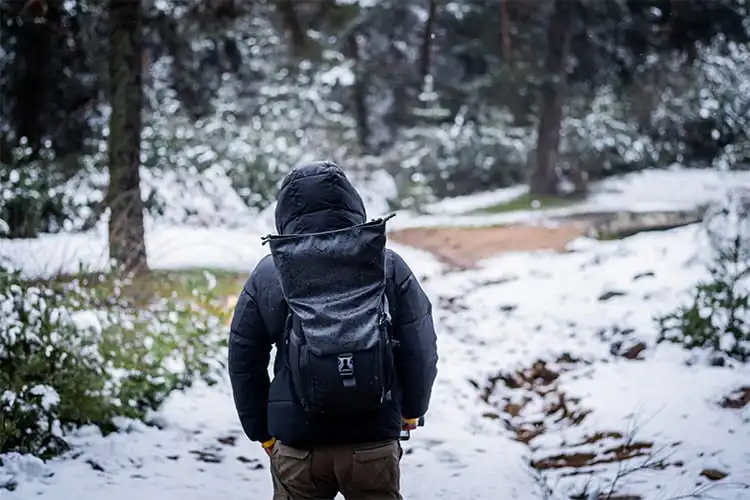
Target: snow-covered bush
{"type": "Point", "coordinates": [706, 119]}
{"type": "Point", "coordinates": [263, 120]}
{"type": "Point", "coordinates": [719, 316]}
{"type": "Point", "coordinates": [603, 140]}
{"type": "Point", "coordinates": [465, 155]}
{"type": "Point", "coordinates": [44, 357]}
{"type": "Point", "coordinates": [33, 197]}
{"type": "Point", "coordinates": [74, 355]}
{"type": "Point", "coordinates": [724, 103]}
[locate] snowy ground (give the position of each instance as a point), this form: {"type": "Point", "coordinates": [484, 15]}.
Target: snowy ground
{"type": "Point", "coordinates": [513, 310]}
{"type": "Point", "coordinates": [236, 245]}
{"type": "Point", "coordinates": [650, 190]}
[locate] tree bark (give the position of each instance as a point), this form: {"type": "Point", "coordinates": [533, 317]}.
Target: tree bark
{"type": "Point", "coordinates": [544, 178]}
{"type": "Point", "coordinates": [426, 49]}
{"type": "Point", "coordinates": [505, 28]}
{"type": "Point", "coordinates": [126, 232]}
{"type": "Point", "coordinates": [359, 95]}
{"type": "Point", "coordinates": [300, 42]}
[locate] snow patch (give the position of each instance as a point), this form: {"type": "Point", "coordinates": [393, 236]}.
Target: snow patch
{"type": "Point", "coordinates": [464, 204]}
{"type": "Point", "coordinates": [672, 189]}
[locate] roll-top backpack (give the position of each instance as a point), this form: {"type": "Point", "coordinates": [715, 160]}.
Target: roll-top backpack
{"type": "Point", "coordinates": [338, 330]}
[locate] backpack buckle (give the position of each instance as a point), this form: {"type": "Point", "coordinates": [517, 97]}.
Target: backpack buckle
{"type": "Point", "coordinates": [346, 365]}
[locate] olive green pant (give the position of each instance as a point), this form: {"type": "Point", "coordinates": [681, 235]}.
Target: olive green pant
{"type": "Point", "coordinates": [359, 472]}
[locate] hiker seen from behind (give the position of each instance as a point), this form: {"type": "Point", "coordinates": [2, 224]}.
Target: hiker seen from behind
{"type": "Point", "coordinates": [356, 355]}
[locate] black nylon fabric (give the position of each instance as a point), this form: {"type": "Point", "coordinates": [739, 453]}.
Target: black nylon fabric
{"type": "Point", "coordinates": [316, 198]}
{"type": "Point", "coordinates": [341, 315]}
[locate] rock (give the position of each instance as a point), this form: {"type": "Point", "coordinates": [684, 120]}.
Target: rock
{"type": "Point", "coordinates": [634, 351]}
{"type": "Point", "coordinates": [713, 474]}
{"type": "Point", "coordinates": [737, 399]}
{"type": "Point", "coordinates": [718, 360]}
{"type": "Point", "coordinates": [647, 274]}
{"type": "Point", "coordinates": [609, 295]}
{"type": "Point", "coordinates": [508, 308]}
{"type": "Point", "coordinates": [623, 224]}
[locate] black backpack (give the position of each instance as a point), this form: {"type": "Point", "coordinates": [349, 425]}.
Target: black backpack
{"type": "Point", "coordinates": [338, 331]}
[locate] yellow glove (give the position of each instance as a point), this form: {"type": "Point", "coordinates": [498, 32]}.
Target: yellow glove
{"type": "Point", "coordinates": [268, 445]}
{"type": "Point", "coordinates": [409, 424]}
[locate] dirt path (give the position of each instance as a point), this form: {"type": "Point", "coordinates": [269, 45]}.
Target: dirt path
{"type": "Point", "coordinates": [464, 247]}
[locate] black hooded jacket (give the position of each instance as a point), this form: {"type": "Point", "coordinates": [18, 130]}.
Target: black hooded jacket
{"type": "Point", "coordinates": [318, 197]}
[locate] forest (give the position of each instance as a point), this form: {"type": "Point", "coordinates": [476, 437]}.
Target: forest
{"type": "Point", "coordinates": [446, 97]}
{"type": "Point", "coordinates": [571, 185]}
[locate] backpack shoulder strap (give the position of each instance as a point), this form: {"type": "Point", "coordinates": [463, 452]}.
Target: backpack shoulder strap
{"type": "Point", "coordinates": [390, 284]}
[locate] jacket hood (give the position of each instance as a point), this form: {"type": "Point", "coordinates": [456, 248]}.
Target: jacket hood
{"type": "Point", "coordinates": [317, 197]}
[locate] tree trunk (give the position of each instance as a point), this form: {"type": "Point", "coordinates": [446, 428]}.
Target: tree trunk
{"type": "Point", "coordinates": [544, 179]}
{"type": "Point", "coordinates": [426, 49]}
{"type": "Point", "coordinates": [505, 29]}
{"type": "Point", "coordinates": [359, 95]}
{"type": "Point", "coordinates": [293, 24]}
{"type": "Point", "coordinates": [126, 233]}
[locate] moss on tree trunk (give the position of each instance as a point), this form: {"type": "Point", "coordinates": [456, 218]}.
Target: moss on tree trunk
{"type": "Point", "coordinates": [126, 232]}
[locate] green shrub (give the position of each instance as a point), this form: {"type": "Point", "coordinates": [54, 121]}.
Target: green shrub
{"type": "Point", "coordinates": [51, 372]}
{"type": "Point", "coordinates": [72, 355]}
{"type": "Point", "coordinates": [718, 317]}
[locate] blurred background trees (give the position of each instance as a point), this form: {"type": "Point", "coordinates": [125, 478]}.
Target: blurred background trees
{"type": "Point", "coordinates": [446, 97]}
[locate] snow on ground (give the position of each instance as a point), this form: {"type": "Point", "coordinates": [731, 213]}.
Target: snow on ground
{"type": "Point", "coordinates": [675, 188]}
{"type": "Point", "coordinates": [515, 309]}
{"type": "Point", "coordinates": [238, 246]}
{"type": "Point", "coordinates": [541, 305]}
{"type": "Point", "coordinates": [204, 224]}
{"type": "Point", "coordinates": [168, 247]}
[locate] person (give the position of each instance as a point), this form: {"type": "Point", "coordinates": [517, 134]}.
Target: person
{"type": "Point", "coordinates": [317, 456]}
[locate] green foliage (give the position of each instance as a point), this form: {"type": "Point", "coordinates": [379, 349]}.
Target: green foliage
{"type": "Point", "coordinates": [602, 139]}
{"type": "Point", "coordinates": [460, 156]}
{"type": "Point", "coordinates": [72, 355]}
{"type": "Point", "coordinates": [705, 119]}
{"type": "Point", "coordinates": [32, 194]}
{"type": "Point", "coordinates": [444, 98]}
{"type": "Point", "coordinates": [718, 317]}
{"type": "Point", "coordinates": [43, 356]}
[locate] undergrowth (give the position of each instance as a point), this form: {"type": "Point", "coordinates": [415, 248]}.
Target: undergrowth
{"type": "Point", "coordinates": [84, 350]}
